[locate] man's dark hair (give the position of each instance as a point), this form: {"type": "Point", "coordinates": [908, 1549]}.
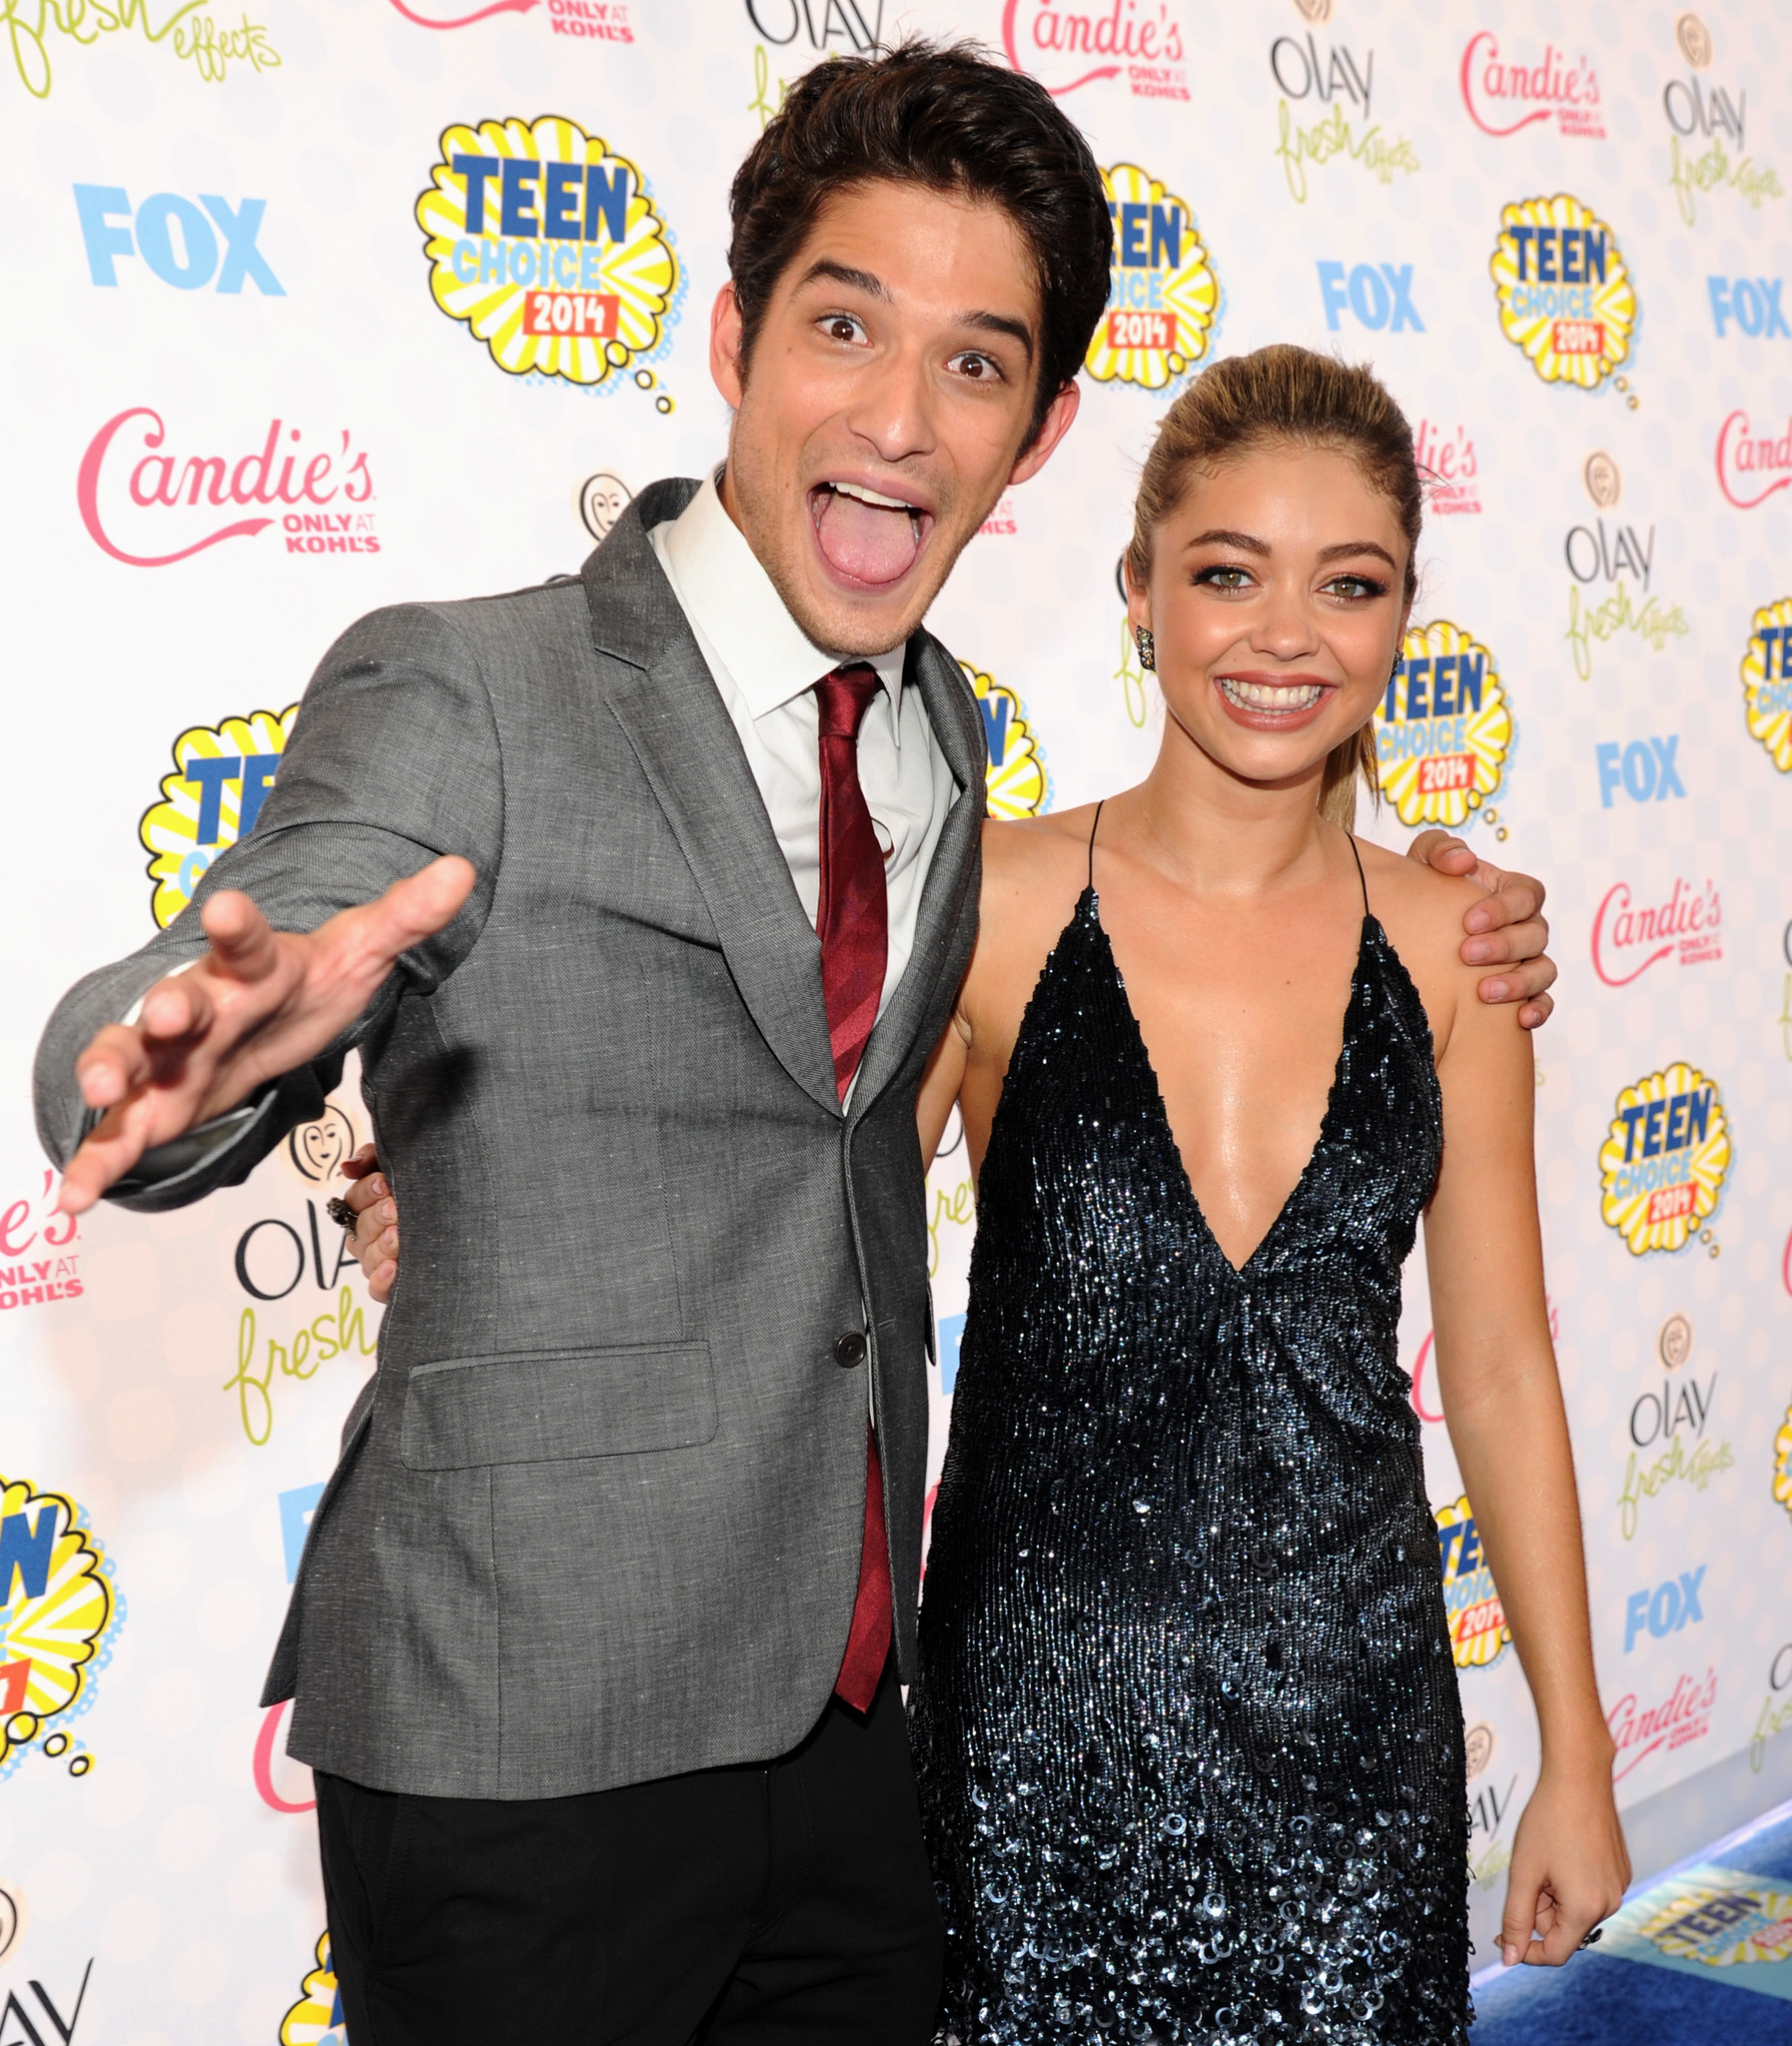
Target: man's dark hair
{"type": "Point", "coordinates": [946, 117]}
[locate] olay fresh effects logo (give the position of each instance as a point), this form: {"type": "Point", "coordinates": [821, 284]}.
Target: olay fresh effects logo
{"type": "Point", "coordinates": [1069, 45]}
{"type": "Point", "coordinates": [177, 26]}
{"type": "Point", "coordinates": [1479, 1633]}
{"type": "Point", "coordinates": [853, 27]}
{"type": "Point", "coordinates": [1323, 112]}
{"type": "Point", "coordinates": [1706, 120]}
{"type": "Point", "coordinates": [176, 240]}
{"type": "Point", "coordinates": [1752, 466]}
{"type": "Point", "coordinates": [222, 775]}
{"type": "Point", "coordinates": [1670, 1427]}
{"type": "Point", "coordinates": [1163, 296]}
{"type": "Point", "coordinates": [1664, 1161]}
{"type": "Point", "coordinates": [1443, 729]}
{"type": "Point", "coordinates": [149, 508]}
{"type": "Point", "coordinates": [1767, 682]}
{"type": "Point", "coordinates": [1448, 467]}
{"type": "Point", "coordinates": [1630, 934]}
{"type": "Point", "coordinates": [1750, 304]}
{"type": "Point", "coordinates": [1641, 1730]}
{"type": "Point", "coordinates": [1563, 289]}
{"type": "Point", "coordinates": [545, 246]}
{"type": "Point", "coordinates": [1505, 92]}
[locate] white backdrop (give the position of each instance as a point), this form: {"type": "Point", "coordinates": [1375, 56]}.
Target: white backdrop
{"type": "Point", "coordinates": [272, 365]}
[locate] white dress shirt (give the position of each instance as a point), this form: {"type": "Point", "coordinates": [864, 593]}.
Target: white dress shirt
{"type": "Point", "coordinates": [765, 669]}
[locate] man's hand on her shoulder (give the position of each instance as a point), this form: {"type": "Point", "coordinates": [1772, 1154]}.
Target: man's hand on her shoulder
{"type": "Point", "coordinates": [1506, 929]}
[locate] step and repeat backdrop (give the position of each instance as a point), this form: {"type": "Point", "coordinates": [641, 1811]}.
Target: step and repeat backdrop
{"type": "Point", "coordinates": [322, 303]}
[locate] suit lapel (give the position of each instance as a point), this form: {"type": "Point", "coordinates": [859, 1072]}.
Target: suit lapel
{"type": "Point", "coordinates": [945, 895]}
{"type": "Point", "coordinates": [688, 747]}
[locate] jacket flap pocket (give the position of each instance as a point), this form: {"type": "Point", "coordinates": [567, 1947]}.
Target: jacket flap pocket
{"type": "Point", "coordinates": [545, 1406]}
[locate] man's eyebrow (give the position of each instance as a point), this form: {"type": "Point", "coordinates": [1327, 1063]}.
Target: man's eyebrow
{"type": "Point", "coordinates": [875, 287]}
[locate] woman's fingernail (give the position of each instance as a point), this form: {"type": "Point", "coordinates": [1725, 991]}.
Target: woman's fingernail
{"type": "Point", "coordinates": [1509, 1955]}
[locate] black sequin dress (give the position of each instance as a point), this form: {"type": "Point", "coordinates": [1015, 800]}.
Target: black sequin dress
{"type": "Point", "coordinates": [1188, 1730]}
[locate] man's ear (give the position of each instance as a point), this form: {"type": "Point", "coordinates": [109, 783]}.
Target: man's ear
{"type": "Point", "coordinates": [1054, 426]}
{"type": "Point", "coordinates": [726, 331]}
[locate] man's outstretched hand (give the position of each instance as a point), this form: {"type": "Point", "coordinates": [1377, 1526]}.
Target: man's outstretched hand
{"type": "Point", "coordinates": [257, 1004]}
{"type": "Point", "coordinates": [1507, 930]}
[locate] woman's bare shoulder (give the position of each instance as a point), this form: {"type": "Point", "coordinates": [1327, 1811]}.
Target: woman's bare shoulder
{"type": "Point", "coordinates": [1427, 906]}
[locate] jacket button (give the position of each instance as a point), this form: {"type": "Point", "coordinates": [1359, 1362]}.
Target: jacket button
{"type": "Point", "coordinates": [850, 1349]}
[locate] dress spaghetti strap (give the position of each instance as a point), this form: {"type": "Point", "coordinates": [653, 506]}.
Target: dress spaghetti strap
{"type": "Point", "coordinates": [1095, 827]}
{"type": "Point", "coordinates": [1354, 854]}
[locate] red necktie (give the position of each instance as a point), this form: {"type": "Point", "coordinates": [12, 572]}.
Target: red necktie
{"type": "Point", "coordinates": [853, 921]}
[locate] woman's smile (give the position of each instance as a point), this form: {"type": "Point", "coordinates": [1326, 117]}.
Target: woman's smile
{"type": "Point", "coordinates": [1263, 700]}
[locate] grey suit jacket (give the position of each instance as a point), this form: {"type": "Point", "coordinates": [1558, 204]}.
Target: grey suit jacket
{"type": "Point", "coordinates": [599, 1519]}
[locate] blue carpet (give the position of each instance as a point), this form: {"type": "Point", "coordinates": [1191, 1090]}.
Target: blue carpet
{"type": "Point", "coordinates": [1699, 1956]}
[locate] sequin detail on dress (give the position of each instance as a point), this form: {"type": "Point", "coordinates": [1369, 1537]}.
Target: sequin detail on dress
{"type": "Point", "coordinates": [1187, 1728]}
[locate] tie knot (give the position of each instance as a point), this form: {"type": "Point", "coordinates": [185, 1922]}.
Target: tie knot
{"type": "Point", "coordinates": [844, 696]}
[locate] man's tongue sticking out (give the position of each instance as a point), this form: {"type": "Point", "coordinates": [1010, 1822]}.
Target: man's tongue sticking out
{"type": "Point", "coordinates": [872, 544]}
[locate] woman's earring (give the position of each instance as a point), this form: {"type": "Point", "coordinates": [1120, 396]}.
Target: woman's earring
{"type": "Point", "coordinates": [1148, 648]}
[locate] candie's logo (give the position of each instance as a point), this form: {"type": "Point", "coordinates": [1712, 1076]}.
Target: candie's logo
{"type": "Point", "coordinates": [179, 504]}
{"type": "Point", "coordinates": [58, 1617]}
{"type": "Point", "coordinates": [1016, 776]}
{"type": "Point", "coordinates": [1664, 1160]}
{"type": "Point", "coordinates": [544, 244]}
{"type": "Point", "coordinates": [1751, 466]}
{"type": "Point", "coordinates": [1565, 291]}
{"type": "Point", "coordinates": [1631, 936]}
{"type": "Point", "coordinates": [1639, 1730]}
{"type": "Point", "coordinates": [1479, 1633]}
{"type": "Point", "coordinates": [1068, 43]}
{"type": "Point", "coordinates": [317, 2018]}
{"type": "Point", "coordinates": [1767, 682]}
{"type": "Point", "coordinates": [1504, 95]}
{"type": "Point", "coordinates": [1161, 291]}
{"type": "Point", "coordinates": [1447, 467]}
{"type": "Point", "coordinates": [222, 775]}
{"type": "Point", "coordinates": [1443, 728]}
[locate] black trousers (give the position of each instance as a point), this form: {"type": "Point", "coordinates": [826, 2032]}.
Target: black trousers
{"type": "Point", "coordinates": [784, 1901]}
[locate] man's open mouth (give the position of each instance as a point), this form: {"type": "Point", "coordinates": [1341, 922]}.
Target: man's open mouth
{"type": "Point", "coordinates": [865, 536]}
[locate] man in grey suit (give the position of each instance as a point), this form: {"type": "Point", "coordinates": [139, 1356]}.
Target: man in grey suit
{"type": "Point", "coordinates": [644, 896]}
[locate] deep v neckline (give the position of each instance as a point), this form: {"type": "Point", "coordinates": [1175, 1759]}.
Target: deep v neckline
{"type": "Point", "coordinates": [1369, 929]}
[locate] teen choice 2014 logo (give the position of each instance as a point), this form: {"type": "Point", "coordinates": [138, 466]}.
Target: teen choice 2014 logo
{"type": "Point", "coordinates": [1161, 293]}
{"type": "Point", "coordinates": [1479, 1633]}
{"type": "Point", "coordinates": [1016, 776]}
{"type": "Point", "coordinates": [58, 1617]}
{"type": "Point", "coordinates": [317, 2018]}
{"type": "Point", "coordinates": [1723, 1925]}
{"type": "Point", "coordinates": [544, 244]}
{"type": "Point", "coordinates": [222, 775]}
{"type": "Point", "coordinates": [1767, 682]}
{"type": "Point", "coordinates": [1443, 728]}
{"type": "Point", "coordinates": [1782, 1463]}
{"type": "Point", "coordinates": [1663, 1164]}
{"type": "Point", "coordinates": [1564, 292]}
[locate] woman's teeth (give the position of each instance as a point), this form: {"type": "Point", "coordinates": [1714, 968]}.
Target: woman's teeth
{"type": "Point", "coordinates": [1268, 695]}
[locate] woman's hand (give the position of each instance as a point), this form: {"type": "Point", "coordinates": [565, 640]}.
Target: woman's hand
{"type": "Point", "coordinates": [375, 1238]}
{"type": "Point", "coordinates": [1569, 1868]}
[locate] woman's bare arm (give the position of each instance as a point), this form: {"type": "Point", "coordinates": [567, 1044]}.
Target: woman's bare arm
{"type": "Point", "coordinates": [940, 1084]}
{"type": "Point", "coordinates": [1504, 1405]}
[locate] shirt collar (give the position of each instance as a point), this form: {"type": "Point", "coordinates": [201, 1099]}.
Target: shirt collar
{"type": "Point", "coordinates": [729, 598]}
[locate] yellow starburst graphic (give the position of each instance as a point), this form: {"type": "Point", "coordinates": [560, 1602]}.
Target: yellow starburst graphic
{"type": "Point", "coordinates": [1016, 776]}
{"type": "Point", "coordinates": [1163, 295]}
{"type": "Point", "coordinates": [1767, 682]}
{"type": "Point", "coordinates": [1782, 1463]}
{"type": "Point", "coordinates": [543, 241]}
{"type": "Point", "coordinates": [1565, 291]}
{"type": "Point", "coordinates": [1479, 1633]}
{"type": "Point", "coordinates": [1723, 1926]}
{"type": "Point", "coordinates": [317, 2018]}
{"type": "Point", "coordinates": [1663, 1163]}
{"type": "Point", "coordinates": [56, 1611]}
{"type": "Point", "coordinates": [1443, 728]}
{"type": "Point", "coordinates": [222, 772]}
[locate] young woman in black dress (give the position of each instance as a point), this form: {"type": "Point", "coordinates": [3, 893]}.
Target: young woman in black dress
{"type": "Point", "coordinates": [1187, 1728]}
